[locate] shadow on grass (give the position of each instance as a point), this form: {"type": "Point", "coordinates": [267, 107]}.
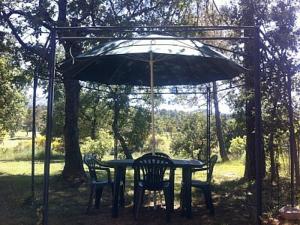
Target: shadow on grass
{"type": "Point", "coordinates": [67, 205]}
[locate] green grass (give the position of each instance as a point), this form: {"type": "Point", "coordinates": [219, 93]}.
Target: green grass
{"type": "Point", "coordinates": [230, 170]}
{"type": "Point", "coordinates": [24, 168]}
{"type": "Point", "coordinates": [67, 203]}
{"type": "Point", "coordinates": [223, 171]}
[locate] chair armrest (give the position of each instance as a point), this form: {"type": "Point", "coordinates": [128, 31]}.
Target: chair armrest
{"type": "Point", "coordinates": [103, 168]}
{"type": "Point", "coordinates": [199, 169]}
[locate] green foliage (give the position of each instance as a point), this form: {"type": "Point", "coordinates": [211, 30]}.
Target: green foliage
{"type": "Point", "coordinates": [190, 138]}
{"type": "Point", "coordinates": [12, 100]}
{"type": "Point", "coordinates": [139, 128]}
{"type": "Point", "coordinates": [237, 147]}
{"type": "Point", "coordinates": [101, 145]}
{"type": "Point", "coordinates": [94, 112]}
{"type": "Point", "coordinates": [58, 111]}
{"type": "Point", "coordinates": [163, 142]}
{"type": "Point", "coordinates": [20, 148]}
{"type": "Point", "coordinates": [40, 115]}
{"type": "Point", "coordinates": [232, 129]}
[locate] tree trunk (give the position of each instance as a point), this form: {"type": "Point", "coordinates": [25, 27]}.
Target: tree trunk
{"type": "Point", "coordinates": [116, 131]}
{"type": "Point", "coordinates": [294, 158]}
{"type": "Point", "coordinates": [73, 170]}
{"type": "Point", "coordinates": [248, 20]}
{"type": "Point", "coordinates": [250, 140]}
{"type": "Point", "coordinates": [223, 152]}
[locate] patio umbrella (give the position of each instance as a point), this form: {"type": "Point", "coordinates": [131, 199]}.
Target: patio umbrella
{"type": "Point", "coordinates": [155, 60]}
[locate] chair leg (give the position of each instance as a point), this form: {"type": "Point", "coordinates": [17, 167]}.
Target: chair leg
{"type": "Point", "coordinates": [90, 199]}
{"type": "Point", "coordinates": [112, 188]}
{"type": "Point", "coordinates": [143, 197]}
{"type": "Point", "coordinates": [138, 202]}
{"type": "Point", "coordinates": [182, 204]}
{"type": "Point", "coordinates": [168, 201]}
{"type": "Point", "coordinates": [122, 199]}
{"type": "Point", "coordinates": [208, 200]}
{"type": "Point", "coordinates": [98, 196]}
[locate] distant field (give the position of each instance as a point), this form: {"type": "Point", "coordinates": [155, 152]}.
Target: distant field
{"type": "Point", "coordinates": [16, 155]}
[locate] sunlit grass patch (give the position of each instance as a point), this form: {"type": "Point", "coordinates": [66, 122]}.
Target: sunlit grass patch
{"type": "Point", "coordinates": [24, 168]}
{"type": "Point", "coordinates": [230, 170]}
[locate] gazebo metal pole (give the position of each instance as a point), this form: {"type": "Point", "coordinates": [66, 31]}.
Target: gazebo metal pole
{"type": "Point", "coordinates": [33, 131]}
{"type": "Point", "coordinates": [51, 70]}
{"type": "Point", "coordinates": [258, 127]}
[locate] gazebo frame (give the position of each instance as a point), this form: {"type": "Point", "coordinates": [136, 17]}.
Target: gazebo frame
{"type": "Point", "coordinates": [185, 30]}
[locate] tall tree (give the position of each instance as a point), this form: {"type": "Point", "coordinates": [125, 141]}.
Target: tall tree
{"type": "Point", "coordinates": [223, 152]}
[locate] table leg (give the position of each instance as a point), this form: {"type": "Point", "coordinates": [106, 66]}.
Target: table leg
{"type": "Point", "coordinates": [122, 190]}
{"type": "Point", "coordinates": [172, 189]}
{"type": "Point", "coordinates": [135, 185]}
{"type": "Point", "coordinates": [182, 193]}
{"type": "Point", "coordinates": [117, 180]}
{"type": "Point", "coordinates": [188, 192]}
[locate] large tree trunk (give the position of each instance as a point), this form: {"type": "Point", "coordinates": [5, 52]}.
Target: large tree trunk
{"type": "Point", "coordinates": [293, 152]}
{"type": "Point", "coordinates": [250, 140]}
{"type": "Point", "coordinates": [73, 170]}
{"type": "Point", "coordinates": [248, 20]}
{"type": "Point", "coordinates": [223, 152]}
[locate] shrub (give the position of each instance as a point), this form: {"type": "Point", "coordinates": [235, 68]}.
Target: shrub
{"type": "Point", "coordinates": [100, 146]}
{"type": "Point", "coordinates": [57, 145]}
{"type": "Point", "coordinates": [237, 147]}
{"type": "Point", "coordinates": [40, 141]}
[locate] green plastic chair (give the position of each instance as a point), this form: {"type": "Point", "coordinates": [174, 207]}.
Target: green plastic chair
{"type": "Point", "coordinates": [149, 171]}
{"type": "Point", "coordinates": [96, 183]}
{"type": "Point", "coordinates": [205, 186]}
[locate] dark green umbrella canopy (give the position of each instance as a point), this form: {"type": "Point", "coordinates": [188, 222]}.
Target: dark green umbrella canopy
{"type": "Point", "coordinates": [176, 62]}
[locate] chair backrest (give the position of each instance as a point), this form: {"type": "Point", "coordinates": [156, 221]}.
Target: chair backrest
{"type": "Point", "coordinates": [90, 160]}
{"type": "Point", "coordinates": [158, 154]}
{"type": "Point", "coordinates": [151, 169]}
{"type": "Point", "coordinates": [212, 162]}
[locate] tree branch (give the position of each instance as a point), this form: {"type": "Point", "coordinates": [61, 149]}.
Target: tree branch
{"type": "Point", "coordinates": [33, 49]}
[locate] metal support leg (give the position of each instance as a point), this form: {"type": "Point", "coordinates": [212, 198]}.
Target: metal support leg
{"type": "Point", "coordinates": [117, 181]}
{"type": "Point", "coordinates": [188, 190]}
{"type": "Point", "coordinates": [122, 189]}
{"type": "Point", "coordinates": [51, 70]}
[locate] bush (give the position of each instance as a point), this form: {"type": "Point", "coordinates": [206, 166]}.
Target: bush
{"type": "Point", "coordinates": [22, 149]}
{"type": "Point", "coordinates": [40, 141]}
{"type": "Point", "coordinates": [103, 144]}
{"type": "Point", "coordinates": [57, 145]}
{"type": "Point", "coordinates": [237, 147]}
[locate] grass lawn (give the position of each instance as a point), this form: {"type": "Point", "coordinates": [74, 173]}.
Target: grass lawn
{"type": "Point", "coordinates": [67, 203]}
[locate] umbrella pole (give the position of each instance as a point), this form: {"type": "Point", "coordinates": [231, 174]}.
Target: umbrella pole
{"type": "Point", "coordinates": [151, 62]}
